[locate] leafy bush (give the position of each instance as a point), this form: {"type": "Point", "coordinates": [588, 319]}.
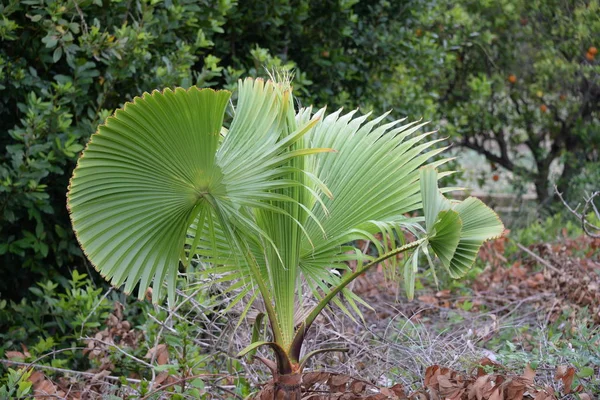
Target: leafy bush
{"type": "Point", "coordinates": [63, 66]}
{"type": "Point", "coordinates": [57, 314]}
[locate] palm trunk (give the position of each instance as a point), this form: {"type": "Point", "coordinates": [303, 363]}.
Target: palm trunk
{"type": "Point", "coordinates": [283, 387]}
{"type": "Point", "coordinates": [287, 387]}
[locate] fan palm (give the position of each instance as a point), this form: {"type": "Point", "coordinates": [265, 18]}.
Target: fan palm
{"type": "Point", "coordinates": [271, 204]}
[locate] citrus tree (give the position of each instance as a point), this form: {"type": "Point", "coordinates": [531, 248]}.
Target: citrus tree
{"type": "Point", "coordinates": [518, 81]}
{"type": "Point", "coordinates": [271, 204]}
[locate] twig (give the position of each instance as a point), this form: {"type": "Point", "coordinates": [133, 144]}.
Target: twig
{"type": "Point", "coordinates": [584, 222]}
{"type": "Point", "coordinates": [231, 392]}
{"type": "Point", "coordinates": [121, 350]}
{"type": "Point", "coordinates": [178, 381]}
{"type": "Point", "coordinates": [95, 308]}
{"type": "Point", "coordinates": [53, 352]}
{"type": "Point", "coordinates": [163, 326]}
{"type": "Point", "coordinates": [538, 258]}
{"type": "Point", "coordinates": [174, 331]}
{"type": "Point", "coordinates": [65, 371]}
{"type": "Point", "coordinates": [85, 27]}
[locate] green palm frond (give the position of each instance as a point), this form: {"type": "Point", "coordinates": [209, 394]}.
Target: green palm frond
{"type": "Point", "coordinates": [374, 180]}
{"type": "Point", "coordinates": [140, 180]}
{"type": "Point", "coordinates": [456, 231]}
{"type": "Point", "coordinates": [160, 164]}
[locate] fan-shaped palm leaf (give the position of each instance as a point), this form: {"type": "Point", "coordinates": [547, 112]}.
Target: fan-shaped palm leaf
{"type": "Point", "coordinates": [157, 166]}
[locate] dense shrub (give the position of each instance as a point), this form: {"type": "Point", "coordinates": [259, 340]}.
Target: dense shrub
{"type": "Point", "coordinates": [64, 66]}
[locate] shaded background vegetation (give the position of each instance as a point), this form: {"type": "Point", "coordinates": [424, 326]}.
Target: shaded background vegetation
{"type": "Point", "coordinates": [517, 81]}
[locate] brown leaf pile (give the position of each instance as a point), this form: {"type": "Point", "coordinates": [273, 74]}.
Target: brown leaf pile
{"type": "Point", "coordinates": [443, 383]}
{"type": "Point", "coordinates": [440, 383]}
{"type": "Point", "coordinates": [117, 332]}
{"type": "Point", "coordinates": [73, 388]}
{"type": "Point", "coordinates": [333, 386]}
{"type": "Point", "coordinates": [562, 281]}
{"type": "Point", "coordinates": [567, 278]}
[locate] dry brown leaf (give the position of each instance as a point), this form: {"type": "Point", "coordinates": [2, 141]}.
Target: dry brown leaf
{"type": "Point", "coordinates": [358, 387]}
{"type": "Point", "coordinates": [496, 395]}
{"type": "Point", "coordinates": [566, 374]}
{"type": "Point", "coordinates": [44, 389]}
{"type": "Point", "coordinates": [398, 390]}
{"type": "Point", "coordinates": [543, 395]}
{"type": "Point", "coordinates": [161, 377]}
{"type": "Point", "coordinates": [480, 388]}
{"type": "Point", "coordinates": [36, 377]}
{"type": "Point", "coordinates": [515, 390]}
{"type": "Point", "coordinates": [100, 375]}
{"type": "Point", "coordinates": [337, 383]}
{"type": "Point", "coordinates": [430, 372]}
{"type": "Point", "coordinates": [428, 299]}
{"type": "Point", "coordinates": [378, 396]}
{"type": "Point", "coordinates": [14, 355]}
{"type": "Point", "coordinates": [528, 375]}
{"type": "Point", "coordinates": [312, 378]}
{"type": "Point", "coordinates": [160, 354]}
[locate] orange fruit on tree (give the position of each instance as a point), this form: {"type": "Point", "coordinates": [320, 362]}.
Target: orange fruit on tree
{"type": "Point", "coordinates": [512, 78]}
{"type": "Point", "coordinates": [592, 50]}
{"type": "Point", "coordinates": [495, 177]}
{"type": "Point", "coordinates": [590, 56]}
{"type": "Point", "coordinates": [543, 108]}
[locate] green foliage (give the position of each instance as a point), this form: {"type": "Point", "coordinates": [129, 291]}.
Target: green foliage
{"type": "Point", "coordinates": [183, 340]}
{"type": "Point", "coordinates": [545, 230]}
{"type": "Point", "coordinates": [63, 66]}
{"type": "Point", "coordinates": [56, 316]}
{"type": "Point", "coordinates": [16, 384]}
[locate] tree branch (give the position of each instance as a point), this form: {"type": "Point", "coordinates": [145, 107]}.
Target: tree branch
{"type": "Point", "coordinates": [502, 160]}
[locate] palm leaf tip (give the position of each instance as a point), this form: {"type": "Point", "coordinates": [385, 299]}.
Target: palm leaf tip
{"type": "Point", "coordinates": [456, 231]}
{"type": "Point", "coordinates": [480, 224]}
{"type": "Point", "coordinates": [138, 181]}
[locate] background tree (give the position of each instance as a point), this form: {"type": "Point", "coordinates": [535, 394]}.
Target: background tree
{"type": "Point", "coordinates": [516, 81]}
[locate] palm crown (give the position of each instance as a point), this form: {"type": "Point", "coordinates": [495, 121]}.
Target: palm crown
{"type": "Point", "coordinates": [274, 201]}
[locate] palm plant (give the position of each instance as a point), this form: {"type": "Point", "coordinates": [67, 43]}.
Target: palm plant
{"type": "Point", "coordinates": [271, 204]}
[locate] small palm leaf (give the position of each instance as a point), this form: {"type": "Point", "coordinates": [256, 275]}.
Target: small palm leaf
{"type": "Point", "coordinates": [479, 224]}
{"type": "Point", "coordinates": [374, 179]}
{"type": "Point", "coordinates": [446, 236]}
{"type": "Point", "coordinates": [457, 231]}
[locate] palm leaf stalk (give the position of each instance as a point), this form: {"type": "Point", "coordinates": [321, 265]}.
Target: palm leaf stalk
{"type": "Point", "coordinates": [269, 204]}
